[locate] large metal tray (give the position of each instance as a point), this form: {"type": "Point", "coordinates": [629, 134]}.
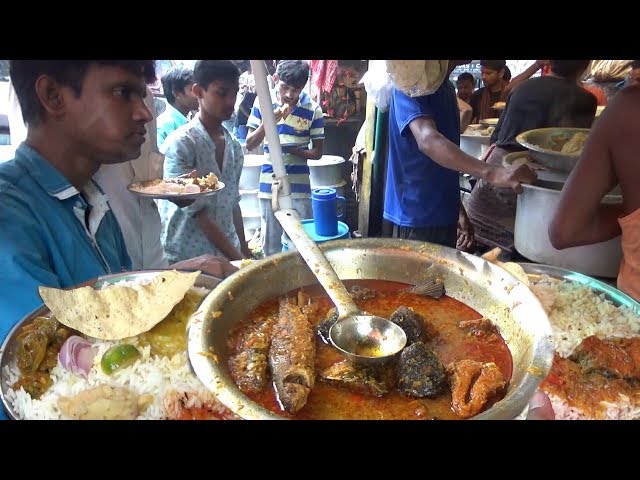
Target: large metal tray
{"type": "Point", "coordinates": [8, 349]}
{"type": "Point", "coordinates": [535, 271]}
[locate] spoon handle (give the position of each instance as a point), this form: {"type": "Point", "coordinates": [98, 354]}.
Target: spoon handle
{"type": "Point", "coordinates": [317, 262]}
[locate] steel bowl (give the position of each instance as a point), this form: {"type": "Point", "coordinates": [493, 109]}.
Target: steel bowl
{"type": "Point", "coordinates": [490, 290]}
{"type": "Point", "coordinates": [8, 356]}
{"type": "Point", "coordinates": [540, 141]}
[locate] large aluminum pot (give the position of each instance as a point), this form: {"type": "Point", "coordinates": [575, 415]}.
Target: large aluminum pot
{"type": "Point", "coordinates": [490, 290]}
{"type": "Point", "coordinates": [535, 208]}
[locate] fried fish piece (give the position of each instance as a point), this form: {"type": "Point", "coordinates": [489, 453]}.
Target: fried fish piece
{"type": "Point", "coordinates": [249, 365]}
{"type": "Point", "coordinates": [292, 356]}
{"type": "Point", "coordinates": [362, 380]}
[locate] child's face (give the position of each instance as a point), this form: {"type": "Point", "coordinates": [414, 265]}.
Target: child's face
{"type": "Point", "coordinates": [218, 100]}
{"type": "Point", "coordinates": [288, 93]}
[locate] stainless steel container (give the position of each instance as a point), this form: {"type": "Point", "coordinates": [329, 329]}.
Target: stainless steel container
{"type": "Point", "coordinates": [473, 143]}
{"type": "Point", "coordinates": [490, 290]}
{"type": "Point", "coordinates": [535, 208]}
{"type": "Point", "coordinates": [540, 140]}
{"type": "Point", "coordinates": [327, 170]}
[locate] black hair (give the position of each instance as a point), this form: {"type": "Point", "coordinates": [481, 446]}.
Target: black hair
{"type": "Point", "coordinates": [466, 76]}
{"type": "Point", "coordinates": [293, 72]}
{"type": "Point", "coordinates": [507, 74]}
{"type": "Point", "coordinates": [207, 71]}
{"type": "Point", "coordinates": [176, 78]}
{"type": "Point", "coordinates": [635, 64]}
{"type": "Point", "coordinates": [493, 64]}
{"type": "Point", "coordinates": [71, 73]}
{"type": "Point", "coordinates": [568, 68]}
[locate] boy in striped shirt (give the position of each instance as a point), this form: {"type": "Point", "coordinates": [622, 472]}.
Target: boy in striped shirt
{"type": "Point", "coordinates": [300, 127]}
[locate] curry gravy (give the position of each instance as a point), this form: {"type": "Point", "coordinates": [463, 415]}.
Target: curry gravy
{"type": "Point", "coordinates": [453, 344]}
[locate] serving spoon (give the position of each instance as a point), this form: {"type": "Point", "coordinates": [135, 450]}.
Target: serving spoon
{"type": "Point", "coordinates": [363, 339]}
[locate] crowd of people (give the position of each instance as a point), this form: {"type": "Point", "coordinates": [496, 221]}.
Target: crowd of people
{"type": "Point", "coordinates": [87, 129]}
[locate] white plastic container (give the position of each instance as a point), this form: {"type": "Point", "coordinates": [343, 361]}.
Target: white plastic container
{"type": "Point", "coordinates": [250, 175]}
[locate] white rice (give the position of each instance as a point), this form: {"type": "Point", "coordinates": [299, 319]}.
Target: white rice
{"type": "Point", "coordinates": [576, 312]}
{"type": "Point", "coordinates": [169, 381]}
{"type": "Point", "coordinates": [159, 376]}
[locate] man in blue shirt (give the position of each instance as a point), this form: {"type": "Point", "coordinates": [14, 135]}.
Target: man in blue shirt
{"type": "Point", "coordinates": [57, 227]}
{"type": "Point", "coordinates": [177, 86]}
{"type": "Point", "coordinates": [422, 196]}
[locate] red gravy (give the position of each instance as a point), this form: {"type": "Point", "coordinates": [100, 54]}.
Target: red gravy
{"type": "Point", "coordinates": [454, 344]}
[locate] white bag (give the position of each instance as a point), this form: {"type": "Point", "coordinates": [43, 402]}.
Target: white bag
{"type": "Point", "coordinates": [378, 84]}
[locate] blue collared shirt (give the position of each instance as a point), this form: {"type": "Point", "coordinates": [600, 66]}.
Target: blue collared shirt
{"type": "Point", "coordinates": [168, 121]}
{"type": "Point", "coordinates": [50, 234]}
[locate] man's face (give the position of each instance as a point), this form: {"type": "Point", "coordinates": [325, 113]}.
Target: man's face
{"type": "Point", "coordinates": [288, 93]}
{"type": "Point", "coordinates": [634, 77]}
{"type": "Point", "coordinates": [218, 100]}
{"type": "Point", "coordinates": [107, 121]}
{"type": "Point", "coordinates": [491, 77]}
{"type": "Point", "coordinates": [187, 98]}
{"type": "Point", "coordinates": [465, 89]}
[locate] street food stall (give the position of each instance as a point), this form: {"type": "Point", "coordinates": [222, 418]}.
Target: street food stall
{"type": "Point", "coordinates": [480, 336]}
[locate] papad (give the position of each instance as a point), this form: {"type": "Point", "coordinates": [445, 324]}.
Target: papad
{"type": "Point", "coordinates": [118, 311]}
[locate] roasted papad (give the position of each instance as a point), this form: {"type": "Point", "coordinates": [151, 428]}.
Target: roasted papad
{"type": "Point", "coordinates": [118, 311]}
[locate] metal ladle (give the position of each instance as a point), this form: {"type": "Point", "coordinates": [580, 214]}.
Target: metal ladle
{"type": "Point", "coordinates": [363, 339]}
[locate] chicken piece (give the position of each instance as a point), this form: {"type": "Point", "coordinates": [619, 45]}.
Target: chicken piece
{"type": "Point", "coordinates": [35, 384]}
{"type": "Point", "coordinates": [104, 402]}
{"type": "Point", "coordinates": [480, 327]}
{"type": "Point", "coordinates": [292, 356]}
{"type": "Point", "coordinates": [414, 325]}
{"type": "Point", "coordinates": [420, 373]}
{"type": "Point", "coordinates": [473, 384]}
{"type": "Point", "coordinates": [249, 365]}
{"type": "Point", "coordinates": [612, 357]}
{"type": "Point", "coordinates": [362, 293]}
{"type": "Point", "coordinates": [325, 325]}
{"type": "Point", "coordinates": [366, 381]}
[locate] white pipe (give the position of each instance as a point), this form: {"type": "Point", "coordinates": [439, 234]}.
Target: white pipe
{"type": "Point", "coordinates": [271, 132]}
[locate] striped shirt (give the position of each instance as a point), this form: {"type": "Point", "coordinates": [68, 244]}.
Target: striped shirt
{"type": "Point", "coordinates": [303, 124]}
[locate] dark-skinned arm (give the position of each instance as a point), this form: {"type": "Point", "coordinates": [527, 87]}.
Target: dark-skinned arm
{"type": "Point", "coordinates": [313, 153]}
{"type": "Point", "coordinates": [239, 224]}
{"type": "Point", "coordinates": [447, 154]}
{"type": "Point", "coordinates": [217, 237]}
{"type": "Point", "coordinates": [528, 73]}
{"type": "Point", "coordinates": [581, 218]}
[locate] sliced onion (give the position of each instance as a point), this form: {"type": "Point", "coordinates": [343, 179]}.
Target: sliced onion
{"type": "Point", "coordinates": [76, 356]}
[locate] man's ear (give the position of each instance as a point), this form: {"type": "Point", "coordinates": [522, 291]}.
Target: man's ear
{"type": "Point", "coordinates": [197, 90]}
{"type": "Point", "coordinates": [50, 94]}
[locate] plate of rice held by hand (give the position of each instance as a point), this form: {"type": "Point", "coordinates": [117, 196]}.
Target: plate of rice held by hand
{"type": "Point", "coordinates": [114, 350]}
{"type": "Point", "coordinates": [182, 188]}
{"type": "Point", "coordinates": [596, 331]}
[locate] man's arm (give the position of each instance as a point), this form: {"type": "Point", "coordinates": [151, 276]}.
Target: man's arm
{"type": "Point", "coordinates": [466, 112]}
{"type": "Point", "coordinates": [25, 265]}
{"type": "Point", "coordinates": [217, 236]}
{"type": "Point", "coordinates": [436, 146]}
{"type": "Point", "coordinates": [239, 224]}
{"type": "Point", "coordinates": [313, 153]}
{"type": "Point", "coordinates": [528, 73]}
{"type": "Point", "coordinates": [581, 218]}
